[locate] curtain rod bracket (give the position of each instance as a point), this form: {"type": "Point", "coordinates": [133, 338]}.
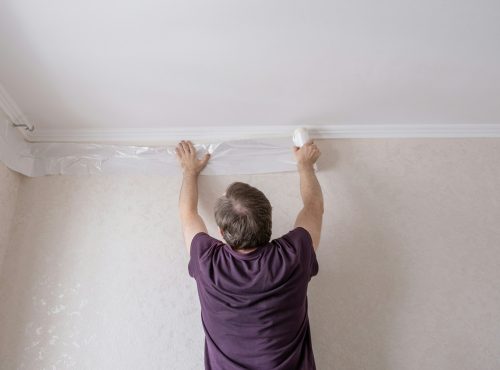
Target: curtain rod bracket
{"type": "Point", "coordinates": [26, 127]}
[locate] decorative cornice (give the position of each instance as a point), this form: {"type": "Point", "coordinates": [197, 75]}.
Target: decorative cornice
{"type": "Point", "coordinates": [407, 130]}
{"type": "Point", "coordinates": [224, 133]}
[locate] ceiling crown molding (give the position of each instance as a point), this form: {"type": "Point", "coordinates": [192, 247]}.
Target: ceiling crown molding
{"type": "Point", "coordinates": [224, 133]}
{"type": "Point", "coordinates": [448, 130]}
{"type": "Point", "coordinates": [160, 135]}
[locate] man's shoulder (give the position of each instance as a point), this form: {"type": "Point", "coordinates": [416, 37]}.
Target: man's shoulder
{"type": "Point", "coordinates": [297, 235]}
{"type": "Point", "coordinates": [202, 247]}
{"type": "Point", "coordinates": [203, 239]}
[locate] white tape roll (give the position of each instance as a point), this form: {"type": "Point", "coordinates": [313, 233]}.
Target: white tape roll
{"type": "Point", "coordinates": [300, 137]}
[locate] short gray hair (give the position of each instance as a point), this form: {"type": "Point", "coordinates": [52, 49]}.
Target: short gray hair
{"type": "Point", "coordinates": [244, 215]}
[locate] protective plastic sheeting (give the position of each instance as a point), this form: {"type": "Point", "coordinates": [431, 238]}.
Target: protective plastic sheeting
{"type": "Point", "coordinates": [231, 157]}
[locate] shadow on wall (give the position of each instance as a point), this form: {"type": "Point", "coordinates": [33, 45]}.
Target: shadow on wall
{"type": "Point", "coordinates": [353, 299]}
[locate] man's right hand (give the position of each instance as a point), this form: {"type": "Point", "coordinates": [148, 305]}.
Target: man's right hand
{"type": "Point", "coordinates": [307, 155]}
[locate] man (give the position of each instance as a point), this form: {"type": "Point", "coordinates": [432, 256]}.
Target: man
{"type": "Point", "coordinates": [253, 291]}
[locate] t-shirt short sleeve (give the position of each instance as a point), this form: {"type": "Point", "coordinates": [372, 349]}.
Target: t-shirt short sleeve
{"type": "Point", "coordinates": [201, 245]}
{"type": "Point", "coordinates": [301, 239]}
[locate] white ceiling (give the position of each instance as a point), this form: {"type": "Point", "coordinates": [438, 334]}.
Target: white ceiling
{"type": "Point", "coordinates": [91, 64]}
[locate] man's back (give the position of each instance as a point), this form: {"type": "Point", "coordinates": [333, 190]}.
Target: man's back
{"type": "Point", "coordinates": [254, 306]}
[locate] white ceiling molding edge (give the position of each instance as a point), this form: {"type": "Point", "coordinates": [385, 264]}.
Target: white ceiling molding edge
{"type": "Point", "coordinates": [223, 133]}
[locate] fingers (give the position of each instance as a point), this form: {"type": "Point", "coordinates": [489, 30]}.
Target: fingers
{"type": "Point", "coordinates": [191, 147]}
{"type": "Point", "coordinates": [185, 147]}
{"type": "Point", "coordinates": [179, 151]}
{"type": "Point", "coordinates": [186, 155]}
{"type": "Point", "coordinates": [310, 144]}
{"type": "Point", "coordinates": [315, 148]}
{"type": "Point", "coordinates": [309, 152]}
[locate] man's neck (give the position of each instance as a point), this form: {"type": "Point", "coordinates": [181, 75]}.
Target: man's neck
{"type": "Point", "coordinates": [245, 251]}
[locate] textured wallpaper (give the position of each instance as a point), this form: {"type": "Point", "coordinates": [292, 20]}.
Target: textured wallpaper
{"type": "Point", "coordinates": [9, 185]}
{"type": "Point", "coordinates": [95, 275]}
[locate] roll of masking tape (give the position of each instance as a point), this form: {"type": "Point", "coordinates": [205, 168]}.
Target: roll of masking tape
{"type": "Point", "coordinates": [300, 137]}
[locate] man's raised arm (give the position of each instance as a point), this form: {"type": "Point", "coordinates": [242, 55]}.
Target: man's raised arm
{"type": "Point", "coordinates": [310, 216]}
{"type": "Point", "coordinates": [191, 221]}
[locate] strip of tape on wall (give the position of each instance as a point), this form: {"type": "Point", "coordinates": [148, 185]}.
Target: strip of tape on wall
{"type": "Point", "coordinates": [227, 158]}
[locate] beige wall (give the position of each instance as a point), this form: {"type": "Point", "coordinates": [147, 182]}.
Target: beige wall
{"type": "Point", "coordinates": [96, 274]}
{"type": "Point", "coordinates": [9, 185]}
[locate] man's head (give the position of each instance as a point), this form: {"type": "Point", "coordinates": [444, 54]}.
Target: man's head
{"type": "Point", "coordinates": [243, 215]}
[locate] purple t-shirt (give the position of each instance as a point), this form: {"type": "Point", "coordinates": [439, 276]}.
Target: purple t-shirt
{"type": "Point", "coordinates": [254, 305]}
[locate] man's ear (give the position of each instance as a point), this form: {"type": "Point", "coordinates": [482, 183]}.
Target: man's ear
{"type": "Point", "coordinates": [220, 232]}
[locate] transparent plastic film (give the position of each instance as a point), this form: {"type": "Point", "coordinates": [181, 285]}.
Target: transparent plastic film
{"type": "Point", "coordinates": [12, 148]}
{"type": "Point", "coordinates": [252, 156]}
{"type": "Point", "coordinates": [232, 157]}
